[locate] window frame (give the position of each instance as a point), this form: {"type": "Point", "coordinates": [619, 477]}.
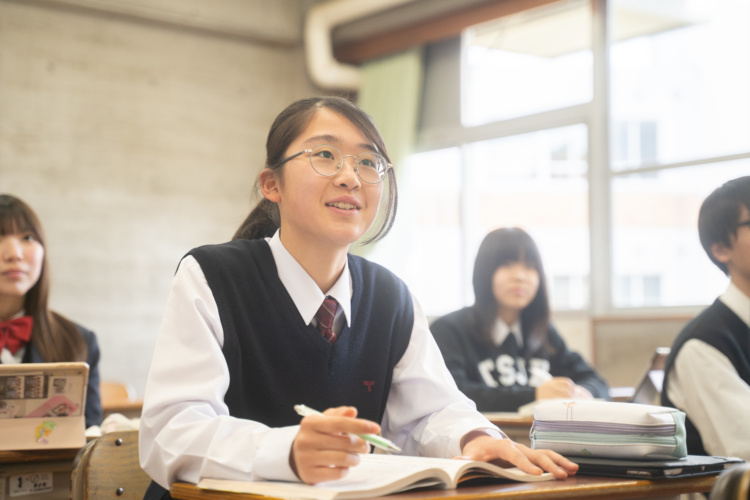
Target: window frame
{"type": "Point", "coordinates": [447, 131]}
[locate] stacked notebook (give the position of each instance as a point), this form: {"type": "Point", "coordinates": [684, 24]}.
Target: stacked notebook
{"type": "Point", "coordinates": [621, 439]}
{"type": "Point", "coordinates": [609, 430]}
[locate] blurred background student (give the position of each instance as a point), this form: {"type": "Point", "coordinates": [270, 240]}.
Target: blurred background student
{"type": "Point", "coordinates": [502, 351]}
{"type": "Point", "coordinates": [29, 331]}
{"type": "Point", "coordinates": [707, 374]}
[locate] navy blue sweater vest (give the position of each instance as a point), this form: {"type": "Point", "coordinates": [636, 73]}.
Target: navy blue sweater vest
{"type": "Point", "coordinates": [275, 360]}
{"type": "Point", "coordinates": [720, 328]}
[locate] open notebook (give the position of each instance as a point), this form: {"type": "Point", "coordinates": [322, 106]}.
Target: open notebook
{"type": "Point", "coordinates": [42, 405]}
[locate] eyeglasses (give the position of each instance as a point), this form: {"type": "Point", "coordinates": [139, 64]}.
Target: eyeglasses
{"type": "Point", "coordinates": [327, 160]}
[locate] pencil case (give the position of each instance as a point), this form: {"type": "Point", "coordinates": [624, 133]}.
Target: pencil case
{"type": "Point", "coordinates": [606, 429]}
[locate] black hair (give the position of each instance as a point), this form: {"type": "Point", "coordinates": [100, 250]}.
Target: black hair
{"type": "Point", "coordinates": [719, 215]}
{"type": "Point", "coordinates": [501, 247]}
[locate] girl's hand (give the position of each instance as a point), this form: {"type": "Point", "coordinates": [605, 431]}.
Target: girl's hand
{"type": "Point", "coordinates": [326, 445]}
{"type": "Point", "coordinates": [562, 387]}
{"type": "Point", "coordinates": [487, 448]}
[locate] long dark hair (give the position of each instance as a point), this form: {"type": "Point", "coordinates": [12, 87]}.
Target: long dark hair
{"type": "Point", "coordinates": [55, 337]}
{"type": "Point", "coordinates": [500, 247]}
{"type": "Point", "coordinates": [264, 220]}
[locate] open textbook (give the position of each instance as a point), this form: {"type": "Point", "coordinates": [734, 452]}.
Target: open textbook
{"type": "Point", "coordinates": [378, 475]}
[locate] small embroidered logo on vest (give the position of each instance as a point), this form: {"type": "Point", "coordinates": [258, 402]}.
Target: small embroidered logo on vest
{"type": "Point", "coordinates": [369, 384]}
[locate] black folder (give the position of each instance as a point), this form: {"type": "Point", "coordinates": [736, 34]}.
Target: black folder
{"type": "Point", "coordinates": [691, 465]}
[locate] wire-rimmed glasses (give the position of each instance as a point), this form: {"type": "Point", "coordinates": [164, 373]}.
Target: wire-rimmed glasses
{"type": "Point", "coordinates": [327, 160]}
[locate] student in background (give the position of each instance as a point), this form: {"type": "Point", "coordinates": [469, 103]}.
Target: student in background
{"type": "Point", "coordinates": [502, 351]}
{"type": "Point", "coordinates": [241, 342]}
{"type": "Point", "coordinates": [707, 373]}
{"type": "Point", "coordinates": [29, 331]}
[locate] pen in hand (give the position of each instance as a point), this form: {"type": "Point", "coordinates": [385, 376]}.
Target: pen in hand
{"type": "Point", "coordinates": [374, 439]}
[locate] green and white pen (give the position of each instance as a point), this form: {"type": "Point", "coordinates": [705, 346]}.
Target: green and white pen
{"type": "Point", "coordinates": [374, 439]}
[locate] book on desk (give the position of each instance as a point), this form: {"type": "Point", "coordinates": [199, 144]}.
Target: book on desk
{"type": "Point", "coordinates": [42, 405]}
{"type": "Point", "coordinates": [378, 475]}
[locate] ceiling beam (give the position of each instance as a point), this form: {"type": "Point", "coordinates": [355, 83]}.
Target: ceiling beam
{"type": "Point", "coordinates": [427, 30]}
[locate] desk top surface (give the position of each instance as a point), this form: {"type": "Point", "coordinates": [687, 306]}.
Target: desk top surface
{"type": "Point", "coordinates": [579, 487]}
{"type": "Point", "coordinates": [509, 418]}
{"type": "Point", "coordinates": [37, 455]}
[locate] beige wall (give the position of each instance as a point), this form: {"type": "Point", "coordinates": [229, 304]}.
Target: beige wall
{"type": "Point", "coordinates": [136, 135]}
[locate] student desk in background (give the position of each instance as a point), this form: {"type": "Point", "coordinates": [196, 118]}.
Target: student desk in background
{"type": "Point", "coordinates": [516, 426]}
{"type": "Point", "coordinates": [120, 397]}
{"type": "Point", "coordinates": [580, 487]}
{"type": "Point", "coordinates": [36, 474]}
{"type": "Point", "coordinates": [130, 409]}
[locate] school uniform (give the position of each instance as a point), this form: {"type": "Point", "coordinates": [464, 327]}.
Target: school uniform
{"type": "Point", "coordinates": [208, 410]}
{"type": "Point", "coordinates": [30, 354]}
{"type": "Point", "coordinates": [707, 375]}
{"type": "Point", "coordinates": [504, 374]}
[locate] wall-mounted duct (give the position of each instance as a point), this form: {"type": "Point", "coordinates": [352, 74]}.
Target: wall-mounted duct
{"type": "Point", "coordinates": [325, 71]}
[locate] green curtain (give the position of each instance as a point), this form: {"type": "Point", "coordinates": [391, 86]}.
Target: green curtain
{"type": "Point", "coordinates": [391, 93]}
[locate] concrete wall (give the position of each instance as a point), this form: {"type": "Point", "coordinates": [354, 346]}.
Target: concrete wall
{"type": "Point", "coordinates": [135, 130]}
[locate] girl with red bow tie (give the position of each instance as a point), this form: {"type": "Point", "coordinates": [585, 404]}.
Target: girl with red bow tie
{"type": "Point", "coordinates": [29, 331]}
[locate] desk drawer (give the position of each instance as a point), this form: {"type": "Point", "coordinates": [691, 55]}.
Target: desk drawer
{"type": "Point", "coordinates": [36, 480]}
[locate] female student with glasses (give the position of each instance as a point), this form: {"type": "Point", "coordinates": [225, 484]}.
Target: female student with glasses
{"type": "Point", "coordinates": [240, 344]}
{"type": "Point", "coordinates": [29, 331]}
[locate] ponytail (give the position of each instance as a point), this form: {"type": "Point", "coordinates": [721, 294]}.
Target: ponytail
{"type": "Point", "coordinates": [262, 222]}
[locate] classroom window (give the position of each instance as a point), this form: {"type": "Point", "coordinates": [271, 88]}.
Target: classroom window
{"type": "Point", "coordinates": [528, 63]}
{"type": "Point", "coordinates": [680, 76]}
{"type": "Point", "coordinates": [537, 181]}
{"type": "Point", "coordinates": [654, 231]}
{"type": "Point", "coordinates": [425, 247]}
{"type": "Point", "coordinates": [514, 134]}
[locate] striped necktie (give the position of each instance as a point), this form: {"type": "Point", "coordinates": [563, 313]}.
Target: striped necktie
{"type": "Point", "coordinates": [325, 316]}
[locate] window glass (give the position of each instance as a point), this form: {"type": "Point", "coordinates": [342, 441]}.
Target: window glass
{"type": "Point", "coordinates": [425, 245]}
{"type": "Point", "coordinates": [527, 63]}
{"type": "Point", "coordinates": [537, 181]}
{"type": "Point", "coordinates": [680, 74]}
{"type": "Point", "coordinates": [657, 257]}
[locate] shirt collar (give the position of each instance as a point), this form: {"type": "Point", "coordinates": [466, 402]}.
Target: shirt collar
{"type": "Point", "coordinates": [20, 313]}
{"type": "Point", "coordinates": [303, 290]}
{"type": "Point", "coordinates": [501, 330]}
{"type": "Point", "coordinates": [738, 302]}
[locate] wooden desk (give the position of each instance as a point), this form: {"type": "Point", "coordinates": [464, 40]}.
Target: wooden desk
{"type": "Point", "coordinates": [49, 468]}
{"type": "Point", "coordinates": [23, 456]}
{"type": "Point", "coordinates": [130, 409]}
{"type": "Point", "coordinates": [515, 426]}
{"type": "Point", "coordinates": [580, 487]}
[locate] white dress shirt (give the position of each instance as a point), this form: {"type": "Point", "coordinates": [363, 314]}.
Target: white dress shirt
{"type": "Point", "coordinates": [706, 385]}
{"type": "Point", "coordinates": [186, 432]}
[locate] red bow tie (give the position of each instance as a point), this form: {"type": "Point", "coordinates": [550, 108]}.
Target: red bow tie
{"type": "Point", "coordinates": [15, 333]}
